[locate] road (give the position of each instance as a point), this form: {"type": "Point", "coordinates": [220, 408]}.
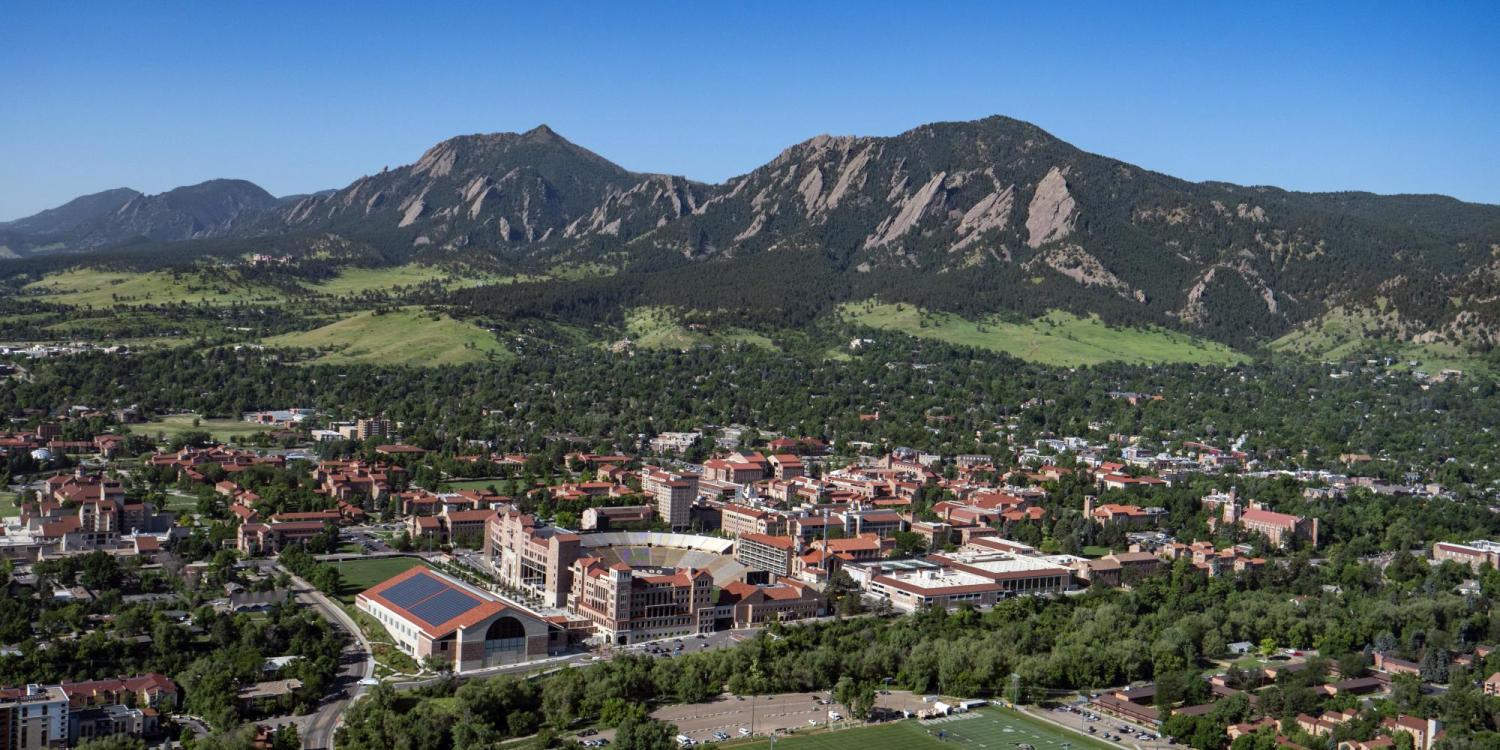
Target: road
{"type": "Point", "coordinates": [665, 650]}
{"type": "Point", "coordinates": [356, 662]}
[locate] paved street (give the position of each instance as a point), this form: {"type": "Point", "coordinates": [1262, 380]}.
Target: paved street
{"type": "Point", "coordinates": [355, 664]}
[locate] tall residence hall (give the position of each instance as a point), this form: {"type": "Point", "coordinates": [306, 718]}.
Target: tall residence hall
{"type": "Point", "coordinates": [431, 614]}
{"type": "Point", "coordinates": [673, 495]}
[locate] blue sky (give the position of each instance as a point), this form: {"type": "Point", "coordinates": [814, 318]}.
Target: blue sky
{"type": "Point", "coordinates": [304, 96]}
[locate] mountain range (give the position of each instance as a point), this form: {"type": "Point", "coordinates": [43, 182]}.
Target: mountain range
{"type": "Point", "coordinates": [982, 216]}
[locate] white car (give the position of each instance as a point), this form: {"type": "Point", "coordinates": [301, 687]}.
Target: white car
{"type": "Point", "coordinates": [744, 731]}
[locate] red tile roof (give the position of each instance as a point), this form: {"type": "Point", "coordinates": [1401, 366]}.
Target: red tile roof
{"type": "Point", "coordinates": [482, 610]}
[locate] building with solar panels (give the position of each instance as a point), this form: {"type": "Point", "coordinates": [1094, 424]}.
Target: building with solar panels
{"type": "Point", "coordinates": [430, 614]}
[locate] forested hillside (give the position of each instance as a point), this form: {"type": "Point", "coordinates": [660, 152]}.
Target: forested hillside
{"type": "Point", "coordinates": [976, 218]}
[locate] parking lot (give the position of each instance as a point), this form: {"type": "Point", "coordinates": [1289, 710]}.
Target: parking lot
{"type": "Point", "coordinates": [760, 715]}
{"type": "Point", "coordinates": [1083, 718]}
{"type": "Point", "coordinates": [767, 714]}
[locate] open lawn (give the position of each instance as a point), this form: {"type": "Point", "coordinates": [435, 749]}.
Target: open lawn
{"type": "Point", "coordinates": [991, 728]}
{"type": "Point", "coordinates": [403, 337]}
{"type": "Point", "coordinates": [359, 575]}
{"type": "Point", "coordinates": [86, 287]}
{"type": "Point", "coordinates": [1057, 339]}
{"type": "Point", "coordinates": [8, 508]}
{"type": "Point", "coordinates": [177, 424]}
{"type": "Point", "coordinates": [501, 485]}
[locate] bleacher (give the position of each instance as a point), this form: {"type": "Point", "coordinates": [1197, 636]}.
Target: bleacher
{"type": "Point", "coordinates": [658, 539]}
{"type": "Point", "coordinates": [651, 550]}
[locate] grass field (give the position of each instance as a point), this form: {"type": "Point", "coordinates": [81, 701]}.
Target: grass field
{"type": "Point", "coordinates": [353, 281]}
{"type": "Point", "coordinates": [181, 504]}
{"type": "Point", "coordinates": [502, 485]}
{"type": "Point", "coordinates": [359, 575]}
{"type": "Point", "coordinates": [658, 328]}
{"type": "Point", "coordinates": [991, 728]}
{"type": "Point", "coordinates": [176, 424]}
{"type": "Point", "coordinates": [1056, 339]}
{"type": "Point", "coordinates": [403, 337]}
{"type": "Point", "coordinates": [8, 507]}
{"type": "Point", "coordinates": [86, 287]}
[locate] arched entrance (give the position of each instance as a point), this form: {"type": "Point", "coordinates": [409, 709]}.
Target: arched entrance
{"type": "Point", "coordinates": [504, 641]}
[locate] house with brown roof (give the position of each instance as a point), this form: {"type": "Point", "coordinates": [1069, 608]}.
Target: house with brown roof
{"type": "Point", "coordinates": [1126, 516]}
{"type": "Point", "coordinates": [1325, 723]}
{"type": "Point", "coordinates": [1391, 665]}
{"type": "Point", "coordinates": [1424, 732]}
{"type": "Point", "coordinates": [786, 466]}
{"type": "Point", "coordinates": [783, 600]}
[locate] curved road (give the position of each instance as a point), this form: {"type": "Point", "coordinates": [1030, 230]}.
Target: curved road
{"type": "Point", "coordinates": [356, 662]}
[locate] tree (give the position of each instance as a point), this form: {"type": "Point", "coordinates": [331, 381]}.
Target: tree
{"type": "Point", "coordinates": [857, 697]}
{"type": "Point", "coordinates": [1434, 666]}
{"type": "Point", "coordinates": [522, 723]}
{"type": "Point", "coordinates": [908, 544]}
{"type": "Point", "coordinates": [645, 734]}
{"type": "Point", "coordinates": [114, 742]}
{"type": "Point", "coordinates": [286, 738]}
{"type": "Point", "coordinates": [1261, 739]}
{"type": "Point", "coordinates": [437, 663]}
{"type": "Point", "coordinates": [402, 542]}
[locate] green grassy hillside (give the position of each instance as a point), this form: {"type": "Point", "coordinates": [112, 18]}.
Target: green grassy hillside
{"type": "Point", "coordinates": [1343, 334]}
{"type": "Point", "coordinates": [403, 337]}
{"type": "Point", "coordinates": [659, 328]}
{"type": "Point", "coordinates": [1056, 339]}
{"type": "Point", "coordinates": [86, 287]}
{"type": "Point", "coordinates": [359, 280]}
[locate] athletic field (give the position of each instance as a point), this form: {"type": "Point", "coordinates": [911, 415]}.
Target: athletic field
{"type": "Point", "coordinates": [359, 575]}
{"type": "Point", "coordinates": [990, 728]}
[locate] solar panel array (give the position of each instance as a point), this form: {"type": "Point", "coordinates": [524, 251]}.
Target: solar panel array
{"type": "Point", "coordinates": [442, 607]}
{"type": "Point", "coordinates": [413, 590]}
